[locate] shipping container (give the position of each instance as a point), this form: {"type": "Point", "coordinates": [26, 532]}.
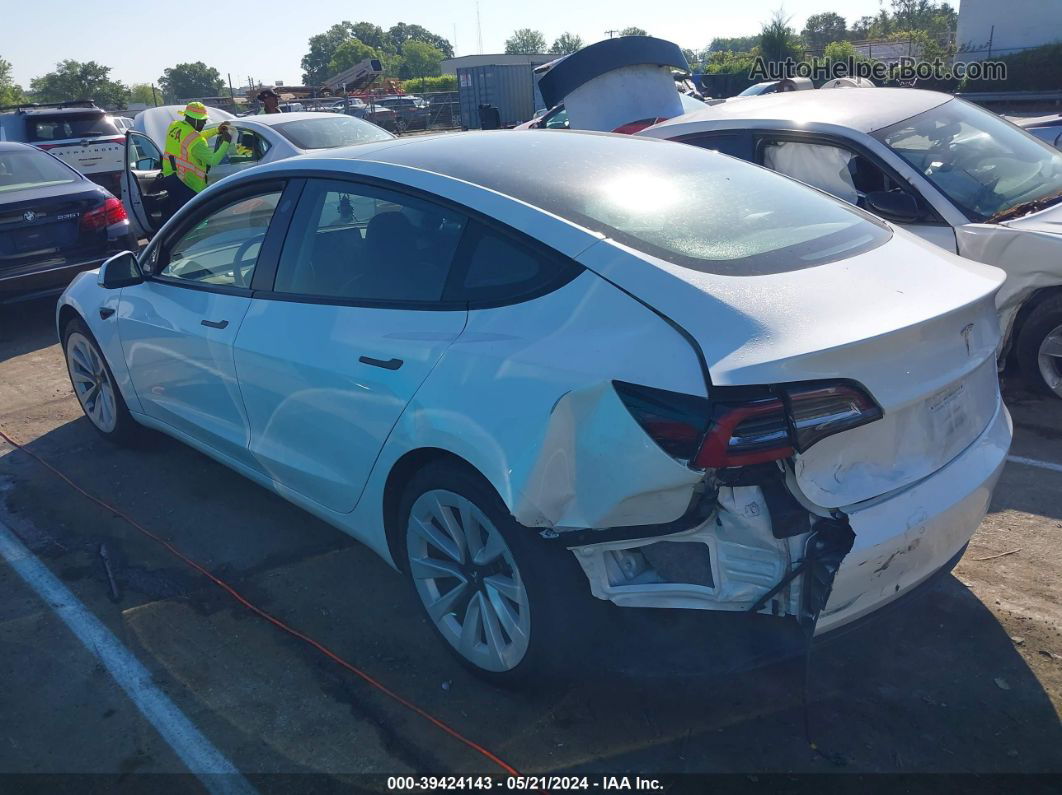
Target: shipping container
{"type": "Point", "coordinates": [510, 88]}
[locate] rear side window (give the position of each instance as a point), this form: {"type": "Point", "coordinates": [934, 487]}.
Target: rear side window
{"type": "Point", "coordinates": [735, 145]}
{"type": "Point", "coordinates": [26, 169]}
{"type": "Point", "coordinates": [58, 127]}
{"type": "Point", "coordinates": [361, 243]}
{"type": "Point", "coordinates": [493, 267]}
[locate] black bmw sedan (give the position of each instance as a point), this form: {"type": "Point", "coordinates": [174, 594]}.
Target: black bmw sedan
{"type": "Point", "coordinates": [54, 222]}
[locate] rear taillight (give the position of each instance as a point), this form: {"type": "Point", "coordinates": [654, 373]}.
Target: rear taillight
{"type": "Point", "coordinates": [630, 128]}
{"type": "Point", "coordinates": [745, 433]}
{"type": "Point", "coordinates": [822, 409]}
{"type": "Point", "coordinates": [741, 426]}
{"type": "Point", "coordinates": [110, 212]}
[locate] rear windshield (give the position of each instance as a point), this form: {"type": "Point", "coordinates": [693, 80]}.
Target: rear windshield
{"type": "Point", "coordinates": [683, 204]}
{"type": "Point", "coordinates": [58, 127]}
{"type": "Point", "coordinates": [25, 169]}
{"type": "Point", "coordinates": [328, 132]}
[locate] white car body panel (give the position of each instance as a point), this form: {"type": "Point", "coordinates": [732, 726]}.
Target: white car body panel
{"type": "Point", "coordinates": [910, 353]}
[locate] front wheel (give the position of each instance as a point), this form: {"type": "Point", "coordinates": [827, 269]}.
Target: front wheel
{"type": "Point", "coordinates": [1039, 346]}
{"type": "Point", "coordinates": [507, 602]}
{"type": "Point", "coordinates": [94, 385]}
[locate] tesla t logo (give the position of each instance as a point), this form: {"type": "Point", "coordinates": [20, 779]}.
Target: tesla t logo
{"type": "Point", "coordinates": [30, 216]}
{"type": "Point", "coordinates": [966, 332]}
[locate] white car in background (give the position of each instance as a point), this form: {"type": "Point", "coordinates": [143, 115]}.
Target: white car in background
{"type": "Point", "coordinates": [528, 369]}
{"type": "Point", "coordinates": [948, 171]}
{"type": "Point", "coordinates": [257, 140]}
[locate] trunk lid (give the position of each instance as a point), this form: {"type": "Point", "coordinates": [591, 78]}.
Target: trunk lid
{"type": "Point", "coordinates": [43, 228]}
{"type": "Point", "coordinates": [914, 325]}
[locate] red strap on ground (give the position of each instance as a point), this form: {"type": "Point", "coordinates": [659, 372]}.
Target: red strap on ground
{"type": "Point", "coordinates": [439, 724]}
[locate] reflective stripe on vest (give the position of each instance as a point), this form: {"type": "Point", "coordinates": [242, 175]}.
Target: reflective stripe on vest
{"type": "Point", "coordinates": [184, 161]}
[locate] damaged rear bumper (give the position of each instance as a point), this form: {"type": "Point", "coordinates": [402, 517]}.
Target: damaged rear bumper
{"type": "Point", "coordinates": [733, 559]}
{"type": "Point", "coordinates": [904, 538]}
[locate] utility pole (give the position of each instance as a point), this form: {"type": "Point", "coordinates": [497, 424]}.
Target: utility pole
{"type": "Point", "coordinates": [611, 33]}
{"type": "Point", "coordinates": [479, 29]}
{"type": "Point", "coordinates": [232, 94]}
{"type": "Point", "coordinates": [154, 96]}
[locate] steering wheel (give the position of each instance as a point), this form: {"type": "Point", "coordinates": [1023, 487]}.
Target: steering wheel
{"type": "Point", "coordinates": [237, 264]}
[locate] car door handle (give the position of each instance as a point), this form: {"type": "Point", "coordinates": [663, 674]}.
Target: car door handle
{"type": "Point", "coordinates": [390, 364]}
{"type": "Point", "coordinates": [215, 323]}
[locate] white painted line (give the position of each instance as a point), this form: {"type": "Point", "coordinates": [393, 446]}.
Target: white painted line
{"type": "Point", "coordinates": [217, 774]}
{"type": "Point", "coordinates": [1032, 462]}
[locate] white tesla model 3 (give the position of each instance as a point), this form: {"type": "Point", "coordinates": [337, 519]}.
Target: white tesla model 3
{"type": "Point", "coordinates": [533, 369]}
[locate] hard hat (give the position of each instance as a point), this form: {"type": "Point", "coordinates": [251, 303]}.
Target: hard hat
{"type": "Point", "coordinates": [197, 110]}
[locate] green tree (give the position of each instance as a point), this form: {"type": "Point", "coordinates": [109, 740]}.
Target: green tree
{"type": "Point", "coordinates": [373, 35]}
{"type": "Point", "coordinates": [821, 29]}
{"type": "Point", "coordinates": [426, 85]}
{"type": "Point", "coordinates": [735, 44]}
{"type": "Point", "coordinates": [525, 41]}
{"type": "Point", "coordinates": [401, 33]}
{"type": "Point", "coordinates": [861, 28]}
{"type": "Point", "coordinates": [419, 60]}
{"type": "Point", "coordinates": [566, 44]}
{"type": "Point", "coordinates": [633, 32]}
{"type": "Point", "coordinates": [316, 64]}
{"type": "Point", "coordinates": [75, 80]}
{"type": "Point", "coordinates": [725, 62]}
{"type": "Point", "coordinates": [840, 51]}
{"type": "Point", "coordinates": [187, 80]}
{"type": "Point", "coordinates": [10, 92]}
{"type": "Point", "coordinates": [778, 41]}
{"type": "Point", "coordinates": [141, 92]}
{"type": "Point", "coordinates": [350, 52]}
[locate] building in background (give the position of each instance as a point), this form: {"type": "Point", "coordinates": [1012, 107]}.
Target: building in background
{"type": "Point", "coordinates": [449, 66]}
{"type": "Point", "coordinates": [992, 29]}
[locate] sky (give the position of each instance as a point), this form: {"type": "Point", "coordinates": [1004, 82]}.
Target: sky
{"type": "Point", "coordinates": [266, 39]}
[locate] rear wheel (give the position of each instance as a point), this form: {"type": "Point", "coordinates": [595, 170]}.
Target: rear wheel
{"type": "Point", "coordinates": [505, 601]}
{"type": "Point", "coordinates": [1039, 346]}
{"type": "Point", "coordinates": [94, 385]}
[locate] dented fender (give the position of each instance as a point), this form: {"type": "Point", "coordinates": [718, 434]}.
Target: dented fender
{"type": "Point", "coordinates": [572, 480]}
{"type": "Point", "coordinates": [1027, 249]}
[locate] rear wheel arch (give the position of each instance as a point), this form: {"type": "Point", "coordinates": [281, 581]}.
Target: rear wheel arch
{"type": "Point", "coordinates": [399, 477]}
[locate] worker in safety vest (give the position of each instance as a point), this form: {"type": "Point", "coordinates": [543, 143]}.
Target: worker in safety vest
{"type": "Point", "coordinates": [189, 156]}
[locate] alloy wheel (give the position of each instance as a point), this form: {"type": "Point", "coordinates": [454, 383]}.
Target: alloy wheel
{"type": "Point", "coordinates": [1050, 360]}
{"type": "Point", "coordinates": [91, 382]}
{"type": "Point", "coordinates": [466, 578]}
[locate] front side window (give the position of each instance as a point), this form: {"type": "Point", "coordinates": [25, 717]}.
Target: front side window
{"type": "Point", "coordinates": [250, 147]}
{"type": "Point", "coordinates": [25, 169]}
{"type": "Point", "coordinates": [986, 166]}
{"type": "Point", "coordinates": [222, 249]}
{"type": "Point", "coordinates": [362, 243]}
{"type": "Point", "coordinates": [143, 154]}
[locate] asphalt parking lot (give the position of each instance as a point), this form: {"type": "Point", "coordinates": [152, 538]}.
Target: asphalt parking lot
{"type": "Point", "coordinates": [967, 679]}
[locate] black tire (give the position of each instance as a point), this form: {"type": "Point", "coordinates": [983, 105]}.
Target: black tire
{"type": "Point", "coordinates": [1044, 320]}
{"type": "Point", "coordinates": [125, 431]}
{"type": "Point", "coordinates": [558, 594]}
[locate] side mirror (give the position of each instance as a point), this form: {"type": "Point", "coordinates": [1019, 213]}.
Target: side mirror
{"type": "Point", "coordinates": [896, 206]}
{"type": "Point", "coordinates": [120, 270]}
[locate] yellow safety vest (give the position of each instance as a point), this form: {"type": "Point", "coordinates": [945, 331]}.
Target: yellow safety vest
{"type": "Point", "coordinates": [188, 153]}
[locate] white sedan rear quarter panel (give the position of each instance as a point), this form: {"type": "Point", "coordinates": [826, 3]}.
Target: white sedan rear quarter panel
{"type": "Point", "coordinates": [525, 396]}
